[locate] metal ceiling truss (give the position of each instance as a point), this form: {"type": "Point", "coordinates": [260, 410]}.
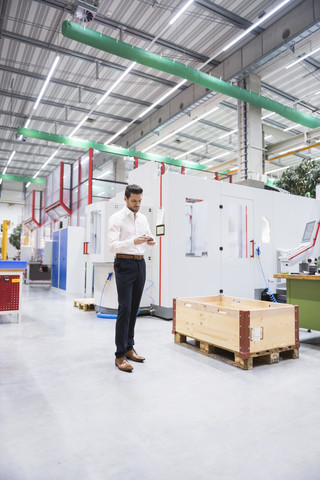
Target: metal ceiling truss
{"type": "Point", "coordinates": [82, 56]}
{"type": "Point", "coordinates": [227, 16]}
{"type": "Point", "coordinates": [26, 171]}
{"type": "Point", "coordinates": [47, 120]}
{"type": "Point", "coordinates": [289, 97]}
{"type": "Point", "coordinates": [17, 96]}
{"type": "Point", "coordinates": [108, 44]}
{"type": "Point", "coordinates": [49, 146]}
{"type": "Point", "coordinates": [65, 83]}
{"type": "Point", "coordinates": [220, 13]}
{"type": "Point", "coordinates": [296, 23]}
{"type": "Point", "coordinates": [217, 11]}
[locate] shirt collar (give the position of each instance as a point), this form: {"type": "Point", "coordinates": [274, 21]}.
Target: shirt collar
{"type": "Point", "coordinates": [128, 212]}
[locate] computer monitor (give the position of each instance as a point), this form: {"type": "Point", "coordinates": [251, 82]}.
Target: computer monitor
{"type": "Point", "coordinates": [308, 232]}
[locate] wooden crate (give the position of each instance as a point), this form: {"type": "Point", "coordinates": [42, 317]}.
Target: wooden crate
{"type": "Point", "coordinates": [246, 328]}
{"type": "Point", "coordinates": [84, 303]}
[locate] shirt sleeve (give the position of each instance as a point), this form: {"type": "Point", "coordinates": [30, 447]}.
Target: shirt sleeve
{"type": "Point", "coordinates": [149, 233]}
{"type": "Point", "coordinates": [114, 231]}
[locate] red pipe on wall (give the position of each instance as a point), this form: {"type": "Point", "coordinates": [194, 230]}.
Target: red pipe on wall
{"type": "Point", "coordinates": [90, 176]}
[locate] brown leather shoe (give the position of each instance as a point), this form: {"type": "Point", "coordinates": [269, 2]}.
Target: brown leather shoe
{"type": "Point", "coordinates": [132, 355]}
{"type": "Point", "coordinates": [123, 364]}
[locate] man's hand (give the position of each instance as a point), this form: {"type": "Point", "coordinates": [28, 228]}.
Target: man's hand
{"type": "Point", "coordinates": [144, 239]}
{"type": "Point", "coordinates": [141, 239]}
{"type": "Point", "coordinates": [151, 241]}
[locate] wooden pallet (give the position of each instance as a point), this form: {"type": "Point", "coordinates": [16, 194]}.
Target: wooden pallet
{"type": "Point", "coordinates": [84, 303]}
{"type": "Point", "coordinates": [268, 357]}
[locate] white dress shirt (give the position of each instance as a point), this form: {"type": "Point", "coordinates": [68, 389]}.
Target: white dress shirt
{"type": "Point", "coordinates": [123, 228]}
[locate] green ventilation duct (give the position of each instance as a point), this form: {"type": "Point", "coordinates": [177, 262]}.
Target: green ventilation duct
{"type": "Point", "coordinates": [80, 143]}
{"type": "Point", "coordinates": [16, 178]}
{"type": "Point", "coordinates": [121, 49]}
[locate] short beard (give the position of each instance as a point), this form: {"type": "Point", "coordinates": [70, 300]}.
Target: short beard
{"type": "Point", "coordinates": [134, 211]}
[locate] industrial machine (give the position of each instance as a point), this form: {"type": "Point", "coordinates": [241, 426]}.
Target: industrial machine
{"type": "Point", "coordinates": [303, 250]}
{"type": "Point", "coordinates": [207, 234]}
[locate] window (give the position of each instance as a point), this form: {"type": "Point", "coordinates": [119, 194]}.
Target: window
{"type": "Point", "coordinates": [196, 212]}
{"type": "Point", "coordinates": [265, 230]}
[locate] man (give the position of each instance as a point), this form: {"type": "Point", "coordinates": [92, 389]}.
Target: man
{"type": "Point", "coordinates": [128, 234]}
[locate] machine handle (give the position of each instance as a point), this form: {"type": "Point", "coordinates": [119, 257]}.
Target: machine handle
{"type": "Point", "coordinates": [85, 248]}
{"type": "Point", "coordinates": [252, 242]}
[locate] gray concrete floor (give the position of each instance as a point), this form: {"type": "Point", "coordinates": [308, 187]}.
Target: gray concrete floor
{"type": "Point", "coordinates": [67, 413]}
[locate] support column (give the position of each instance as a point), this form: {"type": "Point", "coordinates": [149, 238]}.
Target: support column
{"type": "Point", "coordinates": [120, 169]}
{"type": "Point", "coordinates": [250, 144]}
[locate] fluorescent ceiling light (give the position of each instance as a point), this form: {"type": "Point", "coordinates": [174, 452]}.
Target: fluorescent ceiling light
{"type": "Point", "coordinates": [105, 174]}
{"type": "Point", "coordinates": [291, 150]}
{"type": "Point", "coordinates": [255, 25]}
{"type": "Point", "coordinates": [147, 110]}
{"type": "Point", "coordinates": [215, 158]}
{"type": "Point", "coordinates": [228, 134]}
{"type": "Point", "coordinates": [116, 135]}
{"type": "Point", "coordinates": [46, 82]}
{"type": "Point", "coordinates": [36, 174]}
{"type": "Point", "coordinates": [290, 128]}
{"type": "Point", "coordinates": [267, 116]}
{"type": "Point", "coordinates": [166, 95]}
{"type": "Point", "coordinates": [80, 125]}
{"type": "Point", "coordinates": [11, 157]}
{"type": "Point", "coordinates": [116, 83]}
{"type": "Point", "coordinates": [27, 184]}
{"type": "Point", "coordinates": [191, 151]}
{"type": "Point", "coordinates": [303, 58]}
{"type": "Point", "coordinates": [8, 163]}
{"type": "Point", "coordinates": [180, 129]}
{"type": "Point", "coordinates": [186, 5]}
{"type": "Point", "coordinates": [278, 169]}
{"type": "Point", "coordinates": [49, 159]}
{"type": "Point", "coordinates": [268, 136]}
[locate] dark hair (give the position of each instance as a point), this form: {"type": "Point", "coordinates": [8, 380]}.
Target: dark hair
{"type": "Point", "coordinates": [132, 189]}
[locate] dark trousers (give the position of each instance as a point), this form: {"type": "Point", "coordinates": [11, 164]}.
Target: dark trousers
{"type": "Point", "coordinates": [130, 280]}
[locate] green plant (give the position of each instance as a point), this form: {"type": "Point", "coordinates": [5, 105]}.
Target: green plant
{"type": "Point", "coordinates": [302, 179]}
{"type": "Point", "coordinates": [14, 238]}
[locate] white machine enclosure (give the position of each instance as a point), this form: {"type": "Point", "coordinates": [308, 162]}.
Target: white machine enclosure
{"type": "Point", "coordinates": [210, 232]}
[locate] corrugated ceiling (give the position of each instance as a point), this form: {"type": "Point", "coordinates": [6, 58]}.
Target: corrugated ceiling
{"type": "Point", "coordinates": [31, 38]}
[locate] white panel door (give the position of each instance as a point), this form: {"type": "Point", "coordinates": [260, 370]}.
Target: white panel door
{"type": "Point", "coordinates": [237, 247]}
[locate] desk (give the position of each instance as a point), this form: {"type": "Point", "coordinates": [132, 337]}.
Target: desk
{"type": "Point", "coordinates": [304, 290]}
{"type": "Point", "coordinates": [10, 287]}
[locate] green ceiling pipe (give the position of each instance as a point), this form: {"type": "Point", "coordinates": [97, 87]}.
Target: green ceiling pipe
{"type": "Point", "coordinates": [16, 178]}
{"type": "Point", "coordinates": [114, 149]}
{"type": "Point", "coordinates": [121, 49]}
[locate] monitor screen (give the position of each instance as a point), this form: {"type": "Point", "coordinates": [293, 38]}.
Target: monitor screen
{"type": "Point", "coordinates": [308, 232]}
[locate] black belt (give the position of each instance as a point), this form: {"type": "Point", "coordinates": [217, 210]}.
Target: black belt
{"type": "Point", "coordinates": [130, 257]}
